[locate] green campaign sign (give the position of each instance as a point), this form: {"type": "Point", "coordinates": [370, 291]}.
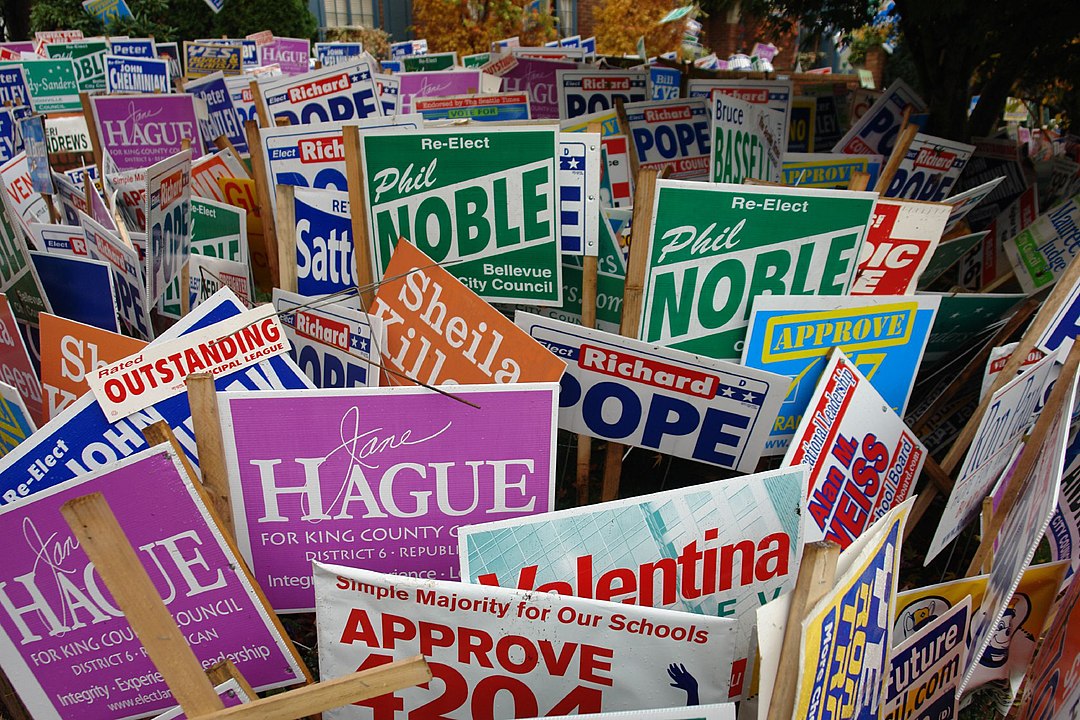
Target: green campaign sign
{"type": "Point", "coordinates": [88, 57]}
{"type": "Point", "coordinates": [52, 83]}
{"type": "Point", "coordinates": [435, 61]}
{"type": "Point", "coordinates": [481, 199]}
{"type": "Point", "coordinates": [713, 248]}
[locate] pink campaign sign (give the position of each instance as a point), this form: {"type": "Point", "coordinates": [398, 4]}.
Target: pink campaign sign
{"type": "Point", "coordinates": [140, 130]}
{"type": "Point", "coordinates": [291, 54]}
{"type": "Point", "coordinates": [436, 84]}
{"type": "Point", "coordinates": [68, 650]}
{"type": "Point", "coordinates": [380, 478]}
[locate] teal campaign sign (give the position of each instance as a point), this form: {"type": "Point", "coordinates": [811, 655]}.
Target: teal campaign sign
{"type": "Point", "coordinates": [88, 56]}
{"type": "Point", "coordinates": [53, 87]}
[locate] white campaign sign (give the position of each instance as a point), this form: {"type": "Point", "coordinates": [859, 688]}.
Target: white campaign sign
{"type": "Point", "coordinates": [168, 222]}
{"type": "Point", "coordinates": [335, 93]}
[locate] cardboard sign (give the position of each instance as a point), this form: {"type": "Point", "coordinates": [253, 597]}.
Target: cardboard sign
{"type": "Point", "coordinates": [79, 288]}
{"type": "Point", "coordinates": [475, 61]}
{"type": "Point", "coordinates": [1011, 412]}
{"type": "Point", "coordinates": [324, 246]}
{"type": "Point", "coordinates": [999, 357]}
{"type": "Point", "coordinates": [481, 199]}
{"type": "Point", "coordinates": [748, 140]}
{"type": "Point", "coordinates": [168, 222]}
{"type": "Point", "coordinates": [579, 192]}
{"type": "Point", "coordinates": [15, 367]}
{"type": "Point", "coordinates": [10, 140]}
{"type": "Point", "coordinates": [340, 92]}
{"type": "Point", "coordinates": [801, 125]}
{"type": "Point", "coordinates": [1050, 692]}
{"type": "Point", "coordinates": [429, 62]}
{"type": "Point", "coordinates": [861, 457]}
{"type": "Point", "coordinates": [443, 83]}
{"type": "Point", "coordinates": [24, 204]}
{"type": "Point", "coordinates": [88, 57]}
{"type": "Point", "coordinates": [133, 47]}
{"type": "Point", "coordinates": [991, 263]}
{"type": "Point", "coordinates": [207, 170]}
{"type": "Point", "coordinates": [358, 501]}
{"type": "Point", "coordinates": [646, 396]}
{"type": "Point", "coordinates": [604, 656]}
{"type": "Point", "coordinates": [714, 247]}
{"type": "Point", "coordinates": [924, 674]}
{"type": "Point", "coordinates": [399, 50]}
{"type": "Point", "coordinates": [822, 170]}
{"type": "Point", "coordinates": [32, 130]}
{"type": "Point", "coordinates": [108, 11]}
{"type": "Point", "coordinates": [480, 108]}
{"type": "Point", "coordinates": [439, 332]}
{"type": "Point", "coordinates": [292, 55]}
{"type": "Point", "coordinates": [337, 53]}
{"type": "Point", "coordinates": [243, 100]}
{"type": "Point", "coordinates": [947, 255]}
{"type": "Point", "coordinates": [207, 275]}
{"type": "Point", "coordinates": [221, 116]}
{"type": "Point", "coordinates": [136, 75]}
{"type": "Point", "coordinates": [388, 88]}
{"type": "Point", "coordinates": [876, 130]}
{"type": "Point", "coordinates": [70, 350]}
{"type": "Point", "coordinates": [994, 158]}
{"type": "Point", "coordinates": [138, 131]}
{"type": "Point", "coordinates": [18, 279]}
{"type": "Point", "coordinates": [158, 373]}
{"type": "Point", "coordinates": [664, 83]}
{"type": "Point", "coordinates": [67, 134]}
{"type": "Point", "coordinates": [538, 78]}
{"type": "Point", "coordinates": [899, 245]}
{"type": "Point", "coordinates": [929, 169]}
{"type": "Point", "coordinates": [229, 692]}
{"type": "Point", "coordinates": [67, 649]}
{"type": "Point", "coordinates": [582, 92]}
{"type": "Point", "coordinates": [14, 90]}
{"type": "Point", "coordinates": [671, 134]}
{"type": "Point", "coordinates": [15, 422]}
{"type": "Point", "coordinates": [335, 345]}
{"type": "Point", "coordinates": [52, 84]}
{"type": "Point", "coordinates": [660, 544]}
{"type": "Point", "coordinates": [964, 202]}
{"type": "Point", "coordinates": [1042, 251]}
{"type": "Point", "coordinates": [963, 318]}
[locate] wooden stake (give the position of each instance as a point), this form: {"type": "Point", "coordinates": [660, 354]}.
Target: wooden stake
{"type": "Point", "coordinates": [817, 571]}
{"type": "Point", "coordinates": [354, 176]}
{"type": "Point", "coordinates": [903, 142]}
{"type": "Point", "coordinates": [262, 196]}
{"type": "Point", "coordinates": [859, 180]}
{"type": "Point", "coordinates": [185, 289]}
{"type": "Point", "coordinates": [222, 142]}
{"type": "Point", "coordinates": [285, 225]}
{"type": "Point", "coordinates": [260, 106]}
{"type": "Point", "coordinates": [624, 128]}
{"type": "Point", "coordinates": [91, 130]}
{"type": "Point", "coordinates": [202, 398]}
{"type": "Point", "coordinates": [633, 290]}
{"type": "Point", "coordinates": [225, 671]}
{"type": "Point", "coordinates": [104, 542]}
{"type": "Point", "coordinates": [987, 518]}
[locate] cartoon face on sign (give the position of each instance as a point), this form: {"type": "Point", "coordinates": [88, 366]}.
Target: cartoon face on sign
{"type": "Point", "coordinates": [997, 653]}
{"type": "Point", "coordinates": [918, 615]}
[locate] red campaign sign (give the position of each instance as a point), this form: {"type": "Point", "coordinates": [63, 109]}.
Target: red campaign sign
{"type": "Point", "coordinates": [899, 244]}
{"type": "Point", "coordinates": [15, 367]}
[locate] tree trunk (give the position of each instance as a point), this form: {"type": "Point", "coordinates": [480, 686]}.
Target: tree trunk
{"type": "Point", "coordinates": [17, 19]}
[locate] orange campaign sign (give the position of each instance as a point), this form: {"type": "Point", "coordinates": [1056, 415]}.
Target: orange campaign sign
{"type": "Point", "coordinates": [69, 352]}
{"type": "Point", "coordinates": [440, 332]}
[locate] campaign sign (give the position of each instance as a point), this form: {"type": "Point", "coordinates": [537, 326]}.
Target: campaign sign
{"type": "Point", "coordinates": [679, 404]}
{"type": "Point", "coordinates": [25, 205]}
{"type": "Point", "coordinates": [882, 336]}
{"type": "Point", "coordinates": [324, 245]}
{"type": "Point", "coordinates": [168, 222]}
{"type": "Point", "coordinates": [136, 75]}
{"type": "Point", "coordinates": [15, 367]}
{"type": "Point", "coordinates": [929, 169]}
{"type": "Point", "coordinates": [207, 275]}
{"type": "Point", "coordinates": [388, 88]}
{"type": "Point", "coordinates": [773, 94]}
{"type": "Point", "coordinates": [292, 55]}
{"type": "Point", "coordinates": [88, 57]}
{"type": "Point", "coordinates": [400, 50]}
{"type": "Point", "coordinates": [713, 247]}
{"type": "Point", "coordinates": [431, 84]}
{"type": "Point", "coordinates": [538, 78]}
{"type": "Point", "coordinates": [947, 255]}
{"type": "Point", "coordinates": [801, 126]}
{"type": "Point", "coordinates": [652, 546]}
{"type": "Point", "coordinates": [1009, 416]}
{"type": "Point", "coordinates": [37, 153]}
{"type": "Point", "coordinates": [339, 92]}
{"type": "Point", "coordinates": [925, 669]}
{"type": "Point", "coordinates": [481, 199]}
{"type": "Point", "coordinates": [17, 276]}
{"type": "Point", "coordinates": [59, 239]}
{"type": "Point", "coordinates": [336, 53]}
{"type": "Point", "coordinates": [170, 52]}
{"type": "Point", "coordinates": [70, 350]}
{"type": "Point", "coordinates": [339, 480]}
{"type": "Point", "coordinates": [336, 345]}
{"type": "Point", "coordinates": [429, 62]}
{"type": "Point", "coordinates": [1040, 252]}
{"type": "Point", "coordinates": [579, 192]}
{"type": "Point", "coordinates": [901, 241]}
{"type": "Point", "coordinates": [824, 170]}
{"type": "Point", "coordinates": [140, 130]}
{"type": "Point", "coordinates": [748, 140]}
{"type": "Point", "coordinates": [133, 47]}
{"type": "Point", "coordinates": [10, 140]}
{"type": "Point", "coordinates": [221, 116]}
{"type": "Point", "coordinates": [1051, 693]}
{"type": "Point", "coordinates": [67, 134]}
{"type": "Point", "coordinates": [243, 101]}
{"type": "Point", "coordinates": [875, 132]}
{"type": "Point", "coordinates": [962, 203]}
{"type": "Point", "coordinates": [108, 11]}
{"type": "Point", "coordinates": [202, 59]}
{"type": "Point", "coordinates": [475, 61]}
{"type": "Point", "coordinates": [15, 422]}
{"type": "Point", "coordinates": [664, 82]}
{"type": "Point", "coordinates": [984, 267]}
{"type": "Point", "coordinates": [553, 655]}
{"type": "Point", "coordinates": [52, 84]}
{"type": "Point", "coordinates": [582, 92]}
{"type": "Point", "coordinates": [480, 108]}
{"type": "Point", "coordinates": [994, 158]}
{"type": "Point", "coordinates": [70, 652]}
{"type": "Point", "coordinates": [78, 288]}
{"type": "Point", "coordinates": [14, 90]}
{"type": "Point", "coordinates": [862, 459]}
{"type": "Point", "coordinates": [440, 332]}
{"type": "Point", "coordinates": [671, 134]}
{"type": "Point", "coordinates": [229, 692]}
{"type": "Point", "coordinates": [132, 307]}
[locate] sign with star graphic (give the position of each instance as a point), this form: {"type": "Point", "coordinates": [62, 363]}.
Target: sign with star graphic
{"type": "Point", "coordinates": [579, 192]}
{"type": "Point", "coordinates": [673, 402]}
{"type": "Point", "coordinates": [53, 85]}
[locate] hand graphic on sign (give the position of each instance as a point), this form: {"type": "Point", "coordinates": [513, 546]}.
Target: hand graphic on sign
{"type": "Point", "coordinates": [684, 681]}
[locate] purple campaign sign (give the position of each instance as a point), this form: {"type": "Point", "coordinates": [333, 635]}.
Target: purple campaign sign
{"type": "Point", "coordinates": [538, 78]}
{"type": "Point", "coordinates": [291, 54]}
{"type": "Point", "coordinates": [380, 478]}
{"type": "Point", "coordinates": [68, 649]}
{"type": "Point", "coordinates": [436, 84]}
{"type": "Point", "coordinates": [140, 130]}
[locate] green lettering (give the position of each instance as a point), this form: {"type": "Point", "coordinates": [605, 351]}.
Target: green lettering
{"type": "Point", "coordinates": [731, 273]}
{"type": "Point", "coordinates": [434, 207]}
{"type": "Point", "coordinates": [666, 305]}
{"type": "Point", "coordinates": [533, 202]}
{"type": "Point", "coordinates": [473, 229]}
{"type": "Point", "coordinates": [838, 265]}
{"type": "Point", "coordinates": [505, 235]}
{"type": "Point", "coordinates": [386, 234]}
{"type": "Point", "coordinates": [770, 267]}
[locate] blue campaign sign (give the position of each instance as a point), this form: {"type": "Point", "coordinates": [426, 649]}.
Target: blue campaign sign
{"type": "Point", "coordinates": [408, 47]}
{"type": "Point", "coordinates": [582, 92]}
{"type": "Point", "coordinates": [589, 45]}
{"type": "Point", "coordinates": [884, 336]}
{"type": "Point", "coordinates": [80, 439]}
{"type": "Point", "coordinates": [324, 248]}
{"type": "Point", "coordinates": [13, 88]}
{"type": "Point", "coordinates": [671, 135]}
{"type": "Point", "coordinates": [221, 116]}
{"type": "Point", "coordinates": [663, 82]}
{"type": "Point", "coordinates": [133, 47]}
{"type": "Point", "coordinates": [337, 93]}
{"type": "Point", "coordinates": [32, 130]}
{"type": "Point", "coordinates": [579, 192]}
{"type": "Point", "coordinates": [334, 53]}
{"type": "Point", "coordinates": [136, 75]}
{"type": "Point", "coordinates": [78, 289]}
{"type": "Point", "coordinates": [392, 66]}
{"type": "Point", "coordinates": [107, 11]}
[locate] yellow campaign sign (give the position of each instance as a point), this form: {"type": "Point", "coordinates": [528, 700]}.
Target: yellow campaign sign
{"type": "Point", "coordinates": [813, 334]}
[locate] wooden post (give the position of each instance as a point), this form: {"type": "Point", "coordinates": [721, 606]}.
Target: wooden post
{"type": "Point", "coordinates": [91, 129]}
{"type": "Point", "coordinates": [222, 142]}
{"type": "Point", "coordinates": [262, 196]}
{"type": "Point", "coordinates": [987, 517]}
{"type": "Point", "coordinates": [285, 226]}
{"type": "Point", "coordinates": [354, 176]}
{"type": "Point", "coordinates": [225, 671]}
{"type": "Point", "coordinates": [11, 705]}
{"type": "Point", "coordinates": [633, 290]}
{"type": "Point", "coordinates": [624, 128]}
{"type": "Point", "coordinates": [202, 398]}
{"type": "Point", "coordinates": [185, 289]}
{"type": "Point", "coordinates": [104, 542]}
{"type": "Point", "coordinates": [817, 571]}
{"type": "Point", "coordinates": [903, 142]}
{"type": "Point", "coordinates": [859, 180]}
{"type": "Point", "coordinates": [260, 106]}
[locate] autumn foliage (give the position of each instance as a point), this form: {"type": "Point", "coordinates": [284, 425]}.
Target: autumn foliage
{"type": "Point", "coordinates": [470, 26]}
{"type": "Point", "coordinates": [619, 24]}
